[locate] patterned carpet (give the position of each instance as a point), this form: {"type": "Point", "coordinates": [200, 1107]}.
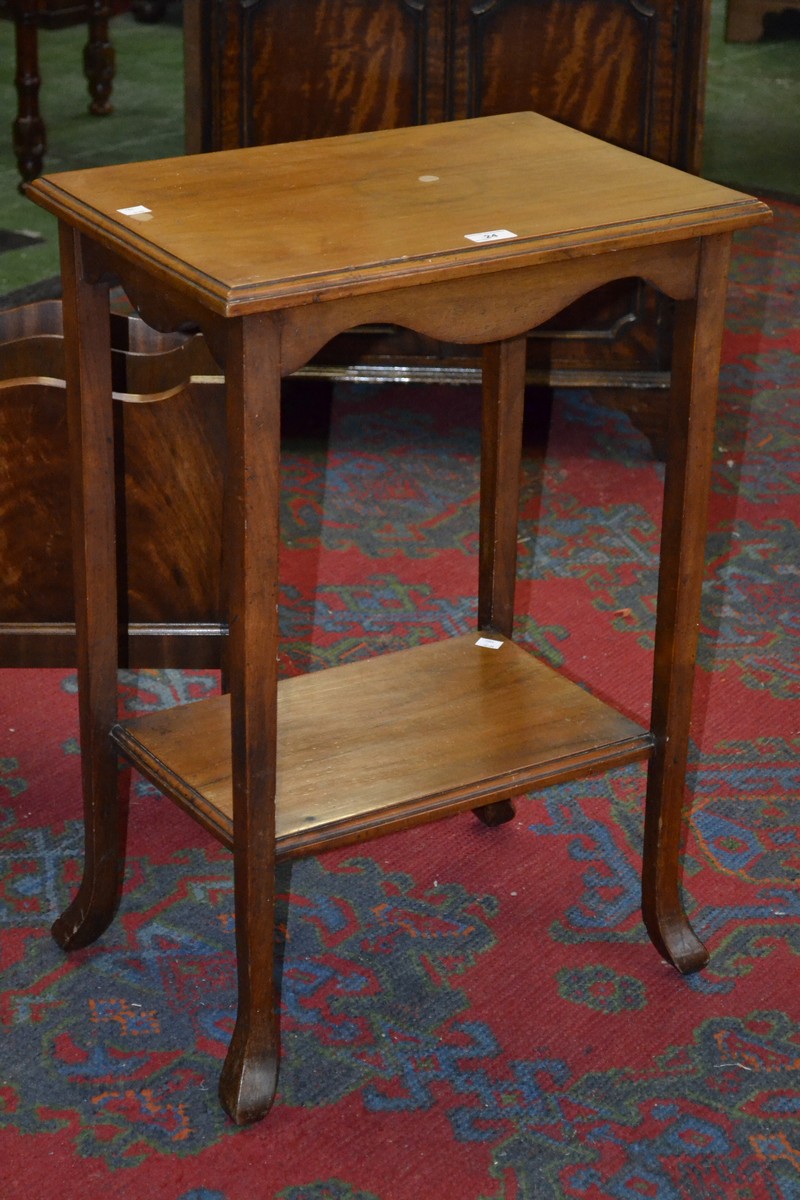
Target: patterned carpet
{"type": "Point", "coordinates": [467, 1014]}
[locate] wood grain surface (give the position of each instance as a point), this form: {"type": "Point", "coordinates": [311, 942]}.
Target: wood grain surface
{"type": "Point", "coordinates": [278, 225]}
{"type": "Point", "coordinates": [390, 741]}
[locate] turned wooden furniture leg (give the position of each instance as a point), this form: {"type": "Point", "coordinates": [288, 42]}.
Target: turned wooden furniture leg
{"type": "Point", "coordinates": [696, 356]}
{"type": "Point", "coordinates": [28, 129]}
{"type": "Point", "coordinates": [501, 453]}
{"type": "Point", "coordinates": [89, 406]}
{"type": "Point", "coordinates": [249, 1076]}
{"type": "Point", "coordinates": [98, 60]}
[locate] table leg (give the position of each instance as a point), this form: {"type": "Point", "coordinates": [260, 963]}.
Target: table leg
{"type": "Point", "coordinates": [249, 1075]}
{"type": "Point", "coordinates": [696, 356]}
{"type": "Point", "coordinates": [98, 60]}
{"type": "Point", "coordinates": [501, 454]}
{"type": "Point", "coordinates": [28, 130]}
{"type": "Point", "coordinates": [87, 346]}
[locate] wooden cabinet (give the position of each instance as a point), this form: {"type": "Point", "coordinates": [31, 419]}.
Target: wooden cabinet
{"type": "Point", "coordinates": [629, 71]}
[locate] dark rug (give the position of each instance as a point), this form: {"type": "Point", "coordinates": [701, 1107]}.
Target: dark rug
{"type": "Point", "coordinates": [467, 1014]}
{"type": "Point", "coordinates": [15, 239]}
{"type": "Point", "coordinates": [44, 289]}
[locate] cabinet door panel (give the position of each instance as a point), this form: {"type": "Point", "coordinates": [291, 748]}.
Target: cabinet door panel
{"type": "Point", "coordinates": [286, 70]}
{"type": "Point", "coordinates": [599, 65]}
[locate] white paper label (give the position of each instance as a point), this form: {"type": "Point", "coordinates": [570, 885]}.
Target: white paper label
{"type": "Point", "coordinates": [491, 235]}
{"type": "Point", "coordinates": [489, 643]}
{"type": "Point", "coordinates": [136, 210]}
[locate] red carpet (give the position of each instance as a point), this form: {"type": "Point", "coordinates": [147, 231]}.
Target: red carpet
{"type": "Point", "coordinates": [467, 1014]}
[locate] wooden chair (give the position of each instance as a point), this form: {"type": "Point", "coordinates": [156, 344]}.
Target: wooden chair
{"type": "Point", "coordinates": [29, 16]}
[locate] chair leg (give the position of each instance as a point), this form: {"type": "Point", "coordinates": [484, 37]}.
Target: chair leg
{"type": "Point", "coordinates": [87, 341]}
{"type": "Point", "coordinates": [698, 338]}
{"type": "Point", "coordinates": [28, 131]}
{"type": "Point", "coordinates": [99, 60]}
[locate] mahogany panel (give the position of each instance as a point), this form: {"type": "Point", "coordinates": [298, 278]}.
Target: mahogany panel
{"type": "Point", "coordinates": [600, 79]}
{"type": "Point", "coordinates": [344, 67]}
{"type": "Point", "coordinates": [170, 482]}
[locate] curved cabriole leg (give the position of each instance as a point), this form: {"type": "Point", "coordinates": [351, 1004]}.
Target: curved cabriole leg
{"type": "Point", "coordinates": [696, 355]}
{"type": "Point", "coordinates": [662, 906]}
{"type": "Point", "coordinates": [87, 348]}
{"type": "Point", "coordinates": [250, 1073]}
{"type": "Point", "coordinates": [105, 822]}
{"type": "Point", "coordinates": [249, 1076]}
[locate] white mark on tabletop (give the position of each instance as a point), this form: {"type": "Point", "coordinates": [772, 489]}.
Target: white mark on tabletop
{"type": "Point", "coordinates": [138, 211]}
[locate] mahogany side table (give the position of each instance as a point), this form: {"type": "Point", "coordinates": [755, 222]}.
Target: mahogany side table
{"type": "Point", "coordinates": [472, 231]}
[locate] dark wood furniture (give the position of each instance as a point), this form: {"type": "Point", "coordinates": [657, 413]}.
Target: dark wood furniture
{"type": "Point", "coordinates": [472, 232]}
{"type": "Point", "coordinates": [630, 72]}
{"type": "Point", "coordinates": [29, 16]}
{"type": "Point", "coordinates": [171, 602]}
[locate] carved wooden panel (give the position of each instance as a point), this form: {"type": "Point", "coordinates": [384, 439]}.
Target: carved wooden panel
{"type": "Point", "coordinates": [170, 550]}
{"type": "Point", "coordinates": [590, 64]}
{"type": "Point", "coordinates": [285, 70]}
{"type": "Point", "coordinates": [267, 70]}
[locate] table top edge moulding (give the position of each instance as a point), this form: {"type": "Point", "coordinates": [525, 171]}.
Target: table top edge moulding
{"type": "Point", "coordinates": [413, 221]}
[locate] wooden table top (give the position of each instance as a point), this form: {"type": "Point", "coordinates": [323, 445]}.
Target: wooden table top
{"type": "Point", "coordinates": [274, 226]}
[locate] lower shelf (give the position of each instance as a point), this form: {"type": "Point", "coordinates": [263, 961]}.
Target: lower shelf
{"type": "Point", "coordinates": [391, 742]}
